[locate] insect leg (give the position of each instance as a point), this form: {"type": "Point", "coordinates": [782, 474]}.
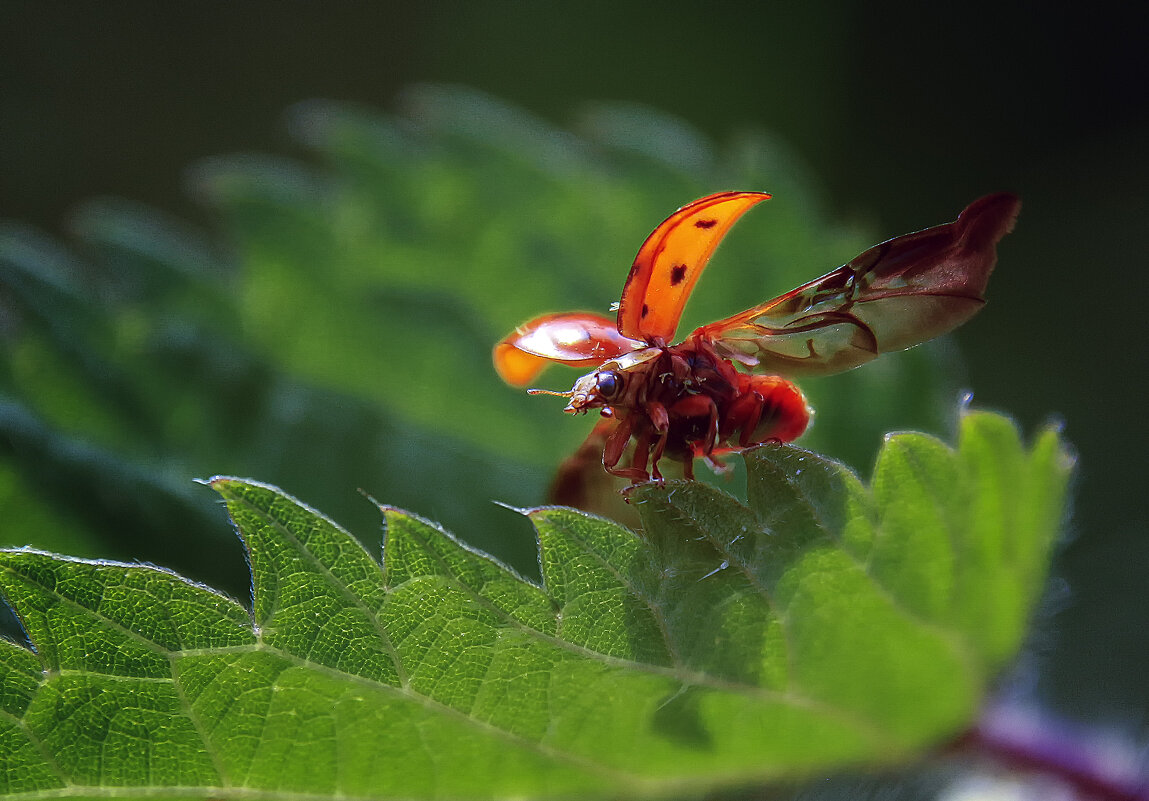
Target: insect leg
{"type": "Point", "coordinates": [753, 414]}
{"type": "Point", "coordinates": [660, 419]}
{"type": "Point", "coordinates": [688, 466]}
{"type": "Point", "coordinates": [616, 445]}
{"type": "Point", "coordinates": [698, 406]}
{"type": "Point", "coordinates": [641, 451]}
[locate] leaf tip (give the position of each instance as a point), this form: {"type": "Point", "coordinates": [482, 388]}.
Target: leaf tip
{"type": "Point", "coordinates": [965, 401]}
{"type": "Point", "coordinates": [218, 483]}
{"type": "Point", "coordinates": [522, 510]}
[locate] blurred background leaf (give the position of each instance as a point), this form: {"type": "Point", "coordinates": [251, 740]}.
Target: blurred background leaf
{"type": "Point", "coordinates": [348, 313]}
{"type": "Point", "coordinates": [138, 348]}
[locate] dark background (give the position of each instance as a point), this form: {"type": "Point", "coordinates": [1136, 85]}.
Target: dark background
{"type": "Point", "coordinates": [905, 111]}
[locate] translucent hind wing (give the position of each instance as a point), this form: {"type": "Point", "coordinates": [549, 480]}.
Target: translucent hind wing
{"type": "Point", "coordinates": [895, 295]}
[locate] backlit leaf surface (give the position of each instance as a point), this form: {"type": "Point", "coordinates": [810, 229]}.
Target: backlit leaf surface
{"type": "Point", "coordinates": [824, 623]}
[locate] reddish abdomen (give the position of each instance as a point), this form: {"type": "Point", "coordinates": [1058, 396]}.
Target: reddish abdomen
{"type": "Point", "coordinates": [785, 414]}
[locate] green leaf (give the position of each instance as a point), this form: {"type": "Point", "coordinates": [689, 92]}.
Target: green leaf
{"type": "Point", "coordinates": [823, 624]}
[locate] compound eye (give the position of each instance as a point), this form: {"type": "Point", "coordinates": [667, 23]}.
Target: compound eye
{"type": "Point", "coordinates": [608, 384]}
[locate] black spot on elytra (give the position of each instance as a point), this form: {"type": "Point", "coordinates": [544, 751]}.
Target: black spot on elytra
{"type": "Point", "coordinates": [705, 223]}
{"type": "Point", "coordinates": [645, 311]}
{"type": "Point", "coordinates": [677, 273]}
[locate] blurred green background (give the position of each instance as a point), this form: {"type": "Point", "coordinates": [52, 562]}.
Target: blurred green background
{"type": "Point", "coordinates": [318, 314]}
